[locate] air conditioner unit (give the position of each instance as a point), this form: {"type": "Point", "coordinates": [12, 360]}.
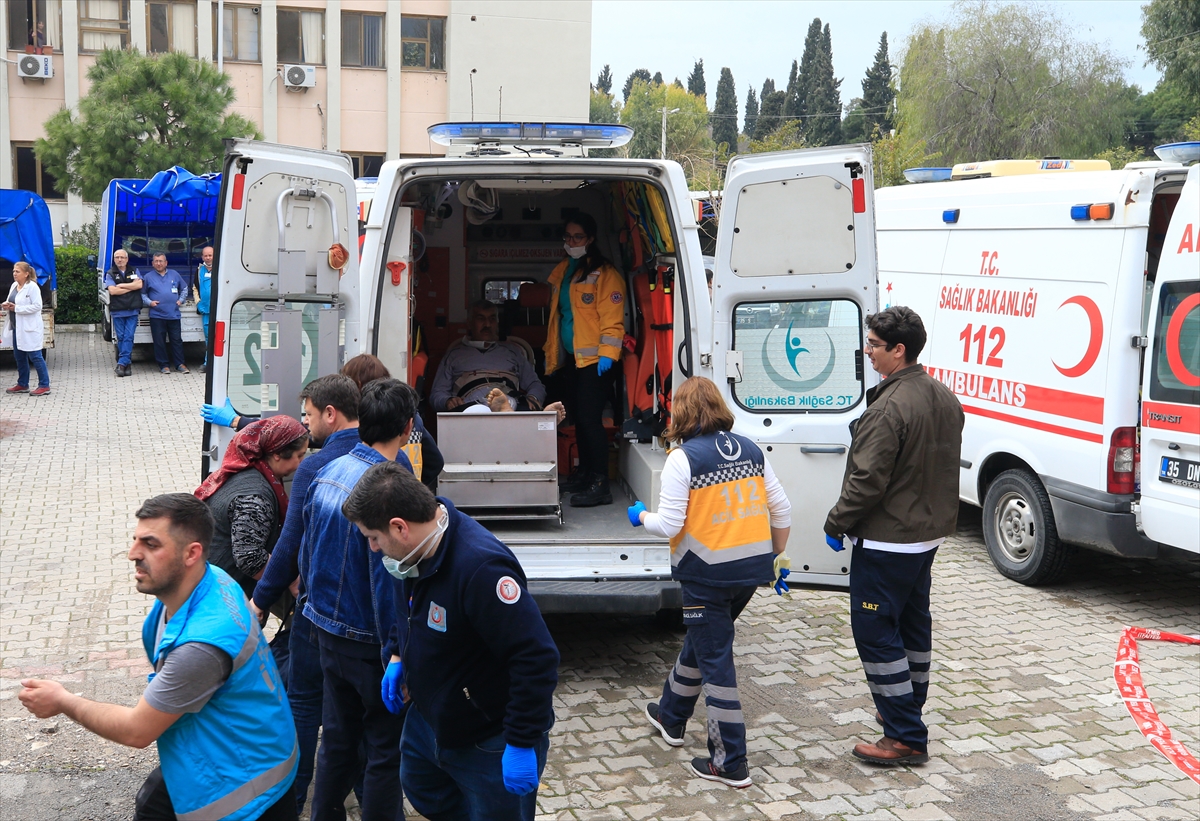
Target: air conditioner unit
{"type": "Point", "coordinates": [299, 76]}
{"type": "Point", "coordinates": [35, 66]}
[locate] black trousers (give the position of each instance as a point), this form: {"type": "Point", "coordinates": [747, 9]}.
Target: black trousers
{"type": "Point", "coordinates": [154, 803]}
{"type": "Point", "coordinates": [168, 339]}
{"type": "Point", "coordinates": [353, 715]}
{"type": "Point", "coordinates": [585, 393]}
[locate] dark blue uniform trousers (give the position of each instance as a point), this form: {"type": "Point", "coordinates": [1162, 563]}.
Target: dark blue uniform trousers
{"type": "Point", "coordinates": [705, 664]}
{"type": "Point", "coordinates": [889, 616]}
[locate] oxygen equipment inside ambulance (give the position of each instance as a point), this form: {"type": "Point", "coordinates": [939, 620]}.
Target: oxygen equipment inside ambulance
{"type": "Point", "coordinates": [782, 335]}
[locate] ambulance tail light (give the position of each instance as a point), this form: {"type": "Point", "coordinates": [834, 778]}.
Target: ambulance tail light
{"type": "Point", "coordinates": [1101, 211]}
{"type": "Point", "coordinates": [1123, 458]}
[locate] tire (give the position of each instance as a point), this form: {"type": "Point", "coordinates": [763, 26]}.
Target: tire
{"type": "Point", "coordinates": [106, 327]}
{"type": "Point", "coordinates": [1019, 530]}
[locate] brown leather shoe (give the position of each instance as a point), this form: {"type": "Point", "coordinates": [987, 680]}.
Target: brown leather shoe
{"type": "Point", "coordinates": [889, 752]}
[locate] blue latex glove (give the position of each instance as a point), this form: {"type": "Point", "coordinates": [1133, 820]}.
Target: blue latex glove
{"type": "Point", "coordinates": [782, 563]}
{"type": "Point", "coordinates": [635, 510]}
{"type": "Point", "coordinates": [389, 688]}
{"type": "Point", "coordinates": [604, 364]}
{"type": "Point", "coordinates": [836, 544]}
{"type": "Point", "coordinates": [219, 416]}
{"type": "Point", "coordinates": [519, 766]}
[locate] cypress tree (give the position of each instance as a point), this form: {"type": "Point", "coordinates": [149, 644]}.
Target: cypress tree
{"type": "Point", "coordinates": [824, 103]}
{"type": "Point", "coordinates": [724, 116]}
{"type": "Point", "coordinates": [638, 74]}
{"type": "Point", "coordinates": [804, 79]}
{"type": "Point", "coordinates": [695, 84]}
{"type": "Point", "coordinates": [768, 88]}
{"type": "Point", "coordinates": [877, 92]}
{"type": "Point", "coordinates": [604, 80]}
{"type": "Point", "coordinates": [792, 104]}
{"type": "Point", "coordinates": [751, 111]}
{"type": "Point", "coordinates": [658, 77]}
{"type": "Point", "coordinates": [770, 115]}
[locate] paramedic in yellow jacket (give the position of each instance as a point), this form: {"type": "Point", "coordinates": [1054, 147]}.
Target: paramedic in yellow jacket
{"type": "Point", "coordinates": [728, 520]}
{"type": "Point", "coordinates": [583, 344]}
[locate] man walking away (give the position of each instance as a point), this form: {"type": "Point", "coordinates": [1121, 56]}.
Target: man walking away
{"type": "Point", "coordinates": [124, 305]}
{"type": "Point", "coordinates": [214, 704]}
{"type": "Point", "coordinates": [349, 599]}
{"type": "Point", "coordinates": [899, 502]}
{"type": "Point", "coordinates": [163, 291]}
{"type": "Point", "coordinates": [471, 648]}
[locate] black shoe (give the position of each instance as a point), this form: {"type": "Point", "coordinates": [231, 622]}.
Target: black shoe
{"type": "Point", "coordinates": [738, 778]}
{"type": "Point", "coordinates": [578, 482]}
{"type": "Point", "coordinates": [596, 494]}
{"type": "Point", "coordinates": [117, 369]}
{"type": "Point", "coordinates": [673, 735]}
{"type": "Point", "coordinates": [204, 368]}
{"type": "Point", "coordinates": [124, 370]}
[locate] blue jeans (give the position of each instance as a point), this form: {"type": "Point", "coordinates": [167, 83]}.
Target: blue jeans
{"type": "Point", "coordinates": [124, 327]}
{"type": "Point", "coordinates": [705, 664]}
{"type": "Point", "coordinates": [892, 627]}
{"type": "Point", "coordinates": [39, 363]}
{"type": "Point", "coordinates": [304, 682]}
{"type": "Point", "coordinates": [167, 335]}
{"type": "Point", "coordinates": [462, 783]}
{"type": "Point", "coordinates": [204, 320]}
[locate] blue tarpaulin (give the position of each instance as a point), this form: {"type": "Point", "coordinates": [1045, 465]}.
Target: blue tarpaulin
{"type": "Point", "coordinates": [26, 234]}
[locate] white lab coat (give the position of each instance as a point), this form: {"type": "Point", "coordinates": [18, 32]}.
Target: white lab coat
{"type": "Point", "coordinates": [27, 314]}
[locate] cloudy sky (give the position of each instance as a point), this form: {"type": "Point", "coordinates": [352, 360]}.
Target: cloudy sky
{"type": "Point", "coordinates": [757, 39]}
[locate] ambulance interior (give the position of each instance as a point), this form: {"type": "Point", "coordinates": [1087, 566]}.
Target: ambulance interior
{"type": "Point", "coordinates": [499, 239]}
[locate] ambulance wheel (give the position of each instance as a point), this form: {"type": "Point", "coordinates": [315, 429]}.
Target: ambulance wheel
{"type": "Point", "coordinates": [1019, 530]}
{"type": "Point", "coordinates": [106, 328]}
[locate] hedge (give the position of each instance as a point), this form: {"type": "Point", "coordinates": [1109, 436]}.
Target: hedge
{"type": "Point", "coordinates": [78, 303]}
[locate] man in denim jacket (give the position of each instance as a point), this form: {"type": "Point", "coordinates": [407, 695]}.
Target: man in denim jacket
{"type": "Point", "coordinates": [349, 599]}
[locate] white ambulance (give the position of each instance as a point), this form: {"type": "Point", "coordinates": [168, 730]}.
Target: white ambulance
{"type": "Point", "coordinates": [795, 278]}
{"type": "Point", "coordinates": [1063, 308]}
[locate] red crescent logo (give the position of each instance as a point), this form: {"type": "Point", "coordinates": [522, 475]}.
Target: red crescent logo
{"type": "Point", "coordinates": [1174, 354]}
{"type": "Point", "coordinates": [1096, 324]}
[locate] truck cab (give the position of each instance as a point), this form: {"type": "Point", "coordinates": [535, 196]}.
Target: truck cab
{"type": "Point", "coordinates": [781, 333]}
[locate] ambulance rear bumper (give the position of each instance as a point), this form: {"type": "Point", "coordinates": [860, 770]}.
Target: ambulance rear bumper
{"type": "Point", "coordinates": [1097, 520]}
{"type": "Point", "coordinates": [602, 596]}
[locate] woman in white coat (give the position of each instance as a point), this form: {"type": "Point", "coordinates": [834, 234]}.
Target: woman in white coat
{"type": "Point", "coordinates": [24, 306]}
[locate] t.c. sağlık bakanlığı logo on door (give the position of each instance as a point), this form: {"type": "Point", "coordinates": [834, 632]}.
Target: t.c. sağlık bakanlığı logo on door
{"type": "Point", "coordinates": [793, 348]}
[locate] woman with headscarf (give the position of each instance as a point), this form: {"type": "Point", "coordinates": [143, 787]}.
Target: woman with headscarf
{"type": "Point", "coordinates": [247, 498]}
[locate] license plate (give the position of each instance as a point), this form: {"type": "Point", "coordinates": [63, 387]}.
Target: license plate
{"type": "Point", "coordinates": [1179, 472]}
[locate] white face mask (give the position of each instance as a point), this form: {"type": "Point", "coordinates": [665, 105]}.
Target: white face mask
{"type": "Point", "coordinates": [478, 343]}
{"type": "Point", "coordinates": [402, 569]}
{"type": "Point", "coordinates": [575, 252]}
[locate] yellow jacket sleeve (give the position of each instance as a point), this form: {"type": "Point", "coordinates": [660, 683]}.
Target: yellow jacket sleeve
{"type": "Point", "coordinates": [610, 305]}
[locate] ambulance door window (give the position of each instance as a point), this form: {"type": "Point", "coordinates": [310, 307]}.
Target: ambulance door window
{"type": "Point", "coordinates": [244, 384]}
{"type": "Point", "coordinates": [1176, 368]}
{"type": "Point", "coordinates": [800, 356]}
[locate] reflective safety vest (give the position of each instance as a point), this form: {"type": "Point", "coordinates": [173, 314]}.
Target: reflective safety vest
{"type": "Point", "coordinates": [726, 535]}
{"type": "Point", "coordinates": [412, 449]}
{"type": "Point", "coordinates": [598, 308]}
{"type": "Point", "coordinates": [237, 756]}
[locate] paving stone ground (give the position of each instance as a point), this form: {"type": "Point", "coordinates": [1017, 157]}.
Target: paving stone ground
{"type": "Point", "coordinates": [1025, 719]}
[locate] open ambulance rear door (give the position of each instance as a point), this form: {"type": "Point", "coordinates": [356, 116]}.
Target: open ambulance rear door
{"type": "Point", "coordinates": [281, 315]}
{"type": "Point", "coordinates": [1170, 441]}
{"type": "Point", "coordinates": [794, 282]}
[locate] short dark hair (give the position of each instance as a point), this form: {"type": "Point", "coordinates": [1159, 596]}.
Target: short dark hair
{"type": "Point", "coordinates": [156, 255]}
{"type": "Point", "coordinates": [902, 325]}
{"type": "Point", "coordinates": [388, 491]}
{"type": "Point", "coordinates": [385, 409]}
{"type": "Point", "coordinates": [334, 389]}
{"type": "Point", "coordinates": [190, 518]}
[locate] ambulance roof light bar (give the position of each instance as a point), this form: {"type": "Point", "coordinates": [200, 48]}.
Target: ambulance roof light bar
{"type": "Point", "coordinates": [590, 135]}
{"type": "Point", "coordinates": [1185, 153]}
{"type": "Point", "coordinates": [1012, 168]}
{"type": "Point", "coordinates": [927, 174]}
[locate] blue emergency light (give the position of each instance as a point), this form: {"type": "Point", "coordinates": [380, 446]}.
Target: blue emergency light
{"type": "Point", "coordinates": [1185, 153]}
{"type": "Point", "coordinates": [592, 135]}
{"type": "Point", "coordinates": [927, 174]}
{"type": "Point", "coordinates": [1080, 212]}
{"type": "Point", "coordinates": [950, 215]}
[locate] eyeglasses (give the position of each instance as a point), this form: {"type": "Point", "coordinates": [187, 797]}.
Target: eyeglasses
{"type": "Point", "coordinates": [574, 237]}
{"type": "Point", "coordinates": [874, 345]}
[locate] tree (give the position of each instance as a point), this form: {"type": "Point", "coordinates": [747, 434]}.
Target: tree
{"type": "Point", "coordinates": [1172, 32]}
{"type": "Point", "coordinates": [676, 82]}
{"type": "Point", "coordinates": [823, 99]}
{"type": "Point", "coordinates": [725, 113]}
{"type": "Point", "coordinates": [603, 108]}
{"type": "Point", "coordinates": [142, 114]}
{"type": "Point", "coordinates": [878, 94]}
{"type": "Point", "coordinates": [770, 115]}
{"type": "Point", "coordinates": [768, 88]}
{"type": "Point", "coordinates": [604, 80]}
{"type": "Point", "coordinates": [793, 105]}
{"type": "Point", "coordinates": [892, 153]}
{"type": "Point", "coordinates": [658, 78]}
{"type": "Point", "coordinates": [695, 83]}
{"type": "Point", "coordinates": [1009, 81]}
{"type": "Point", "coordinates": [751, 111]}
{"type": "Point", "coordinates": [638, 74]}
{"type": "Point", "coordinates": [785, 138]}
{"type": "Point", "coordinates": [804, 76]}
{"type": "Point", "coordinates": [688, 142]}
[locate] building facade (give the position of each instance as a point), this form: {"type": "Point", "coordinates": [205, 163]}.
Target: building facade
{"type": "Point", "coordinates": [373, 74]}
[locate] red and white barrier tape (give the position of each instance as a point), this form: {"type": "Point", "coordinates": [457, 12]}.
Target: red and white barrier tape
{"type": "Point", "coordinates": [1128, 674]}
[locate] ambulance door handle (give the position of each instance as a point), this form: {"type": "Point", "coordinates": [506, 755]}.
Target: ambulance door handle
{"type": "Point", "coordinates": [822, 448]}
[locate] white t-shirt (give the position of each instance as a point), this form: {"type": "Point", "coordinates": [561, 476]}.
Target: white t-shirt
{"type": "Point", "coordinates": [897, 547]}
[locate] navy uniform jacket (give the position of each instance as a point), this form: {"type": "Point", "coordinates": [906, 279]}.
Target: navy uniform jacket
{"type": "Point", "coordinates": [478, 659]}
